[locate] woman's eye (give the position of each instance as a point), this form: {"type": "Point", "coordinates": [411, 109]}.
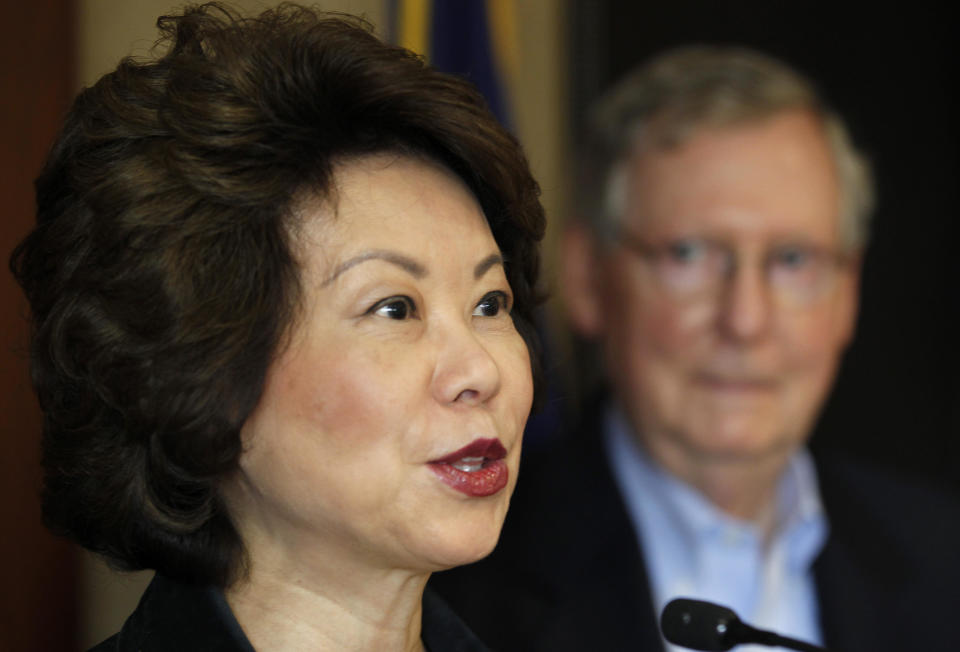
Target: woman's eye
{"type": "Point", "coordinates": [395, 308]}
{"type": "Point", "coordinates": [492, 305]}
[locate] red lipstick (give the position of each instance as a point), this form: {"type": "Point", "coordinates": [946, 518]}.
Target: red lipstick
{"type": "Point", "coordinates": [477, 469]}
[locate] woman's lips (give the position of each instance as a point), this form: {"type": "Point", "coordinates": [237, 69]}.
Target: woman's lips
{"type": "Point", "coordinates": [477, 469]}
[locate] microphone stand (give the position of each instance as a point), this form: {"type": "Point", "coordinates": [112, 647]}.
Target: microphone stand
{"type": "Point", "coordinates": [744, 633]}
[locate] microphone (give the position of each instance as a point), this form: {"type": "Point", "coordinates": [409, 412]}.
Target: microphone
{"type": "Point", "coordinates": [701, 625]}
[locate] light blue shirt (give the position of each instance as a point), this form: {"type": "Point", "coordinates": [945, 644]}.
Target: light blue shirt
{"type": "Point", "coordinates": [694, 550]}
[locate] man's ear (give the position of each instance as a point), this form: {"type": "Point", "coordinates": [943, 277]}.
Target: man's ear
{"type": "Point", "coordinates": [850, 301]}
{"type": "Point", "coordinates": [579, 280]}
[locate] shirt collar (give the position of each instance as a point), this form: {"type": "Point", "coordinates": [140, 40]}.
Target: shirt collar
{"type": "Point", "coordinates": [684, 519]}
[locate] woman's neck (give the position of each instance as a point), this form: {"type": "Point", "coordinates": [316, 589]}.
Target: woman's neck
{"type": "Point", "coordinates": [355, 610]}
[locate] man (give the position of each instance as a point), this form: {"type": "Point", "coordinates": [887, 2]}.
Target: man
{"type": "Point", "coordinates": [716, 266]}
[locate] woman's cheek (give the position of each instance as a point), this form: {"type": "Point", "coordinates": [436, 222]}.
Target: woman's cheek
{"type": "Point", "coordinates": [519, 381]}
{"type": "Point", "coordinates": [334, 389]}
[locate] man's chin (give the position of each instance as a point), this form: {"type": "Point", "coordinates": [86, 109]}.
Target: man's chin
{"type": "Point", "coordinates": [740, 440]}
{"type": "Point", "coordinates": [748, 456]}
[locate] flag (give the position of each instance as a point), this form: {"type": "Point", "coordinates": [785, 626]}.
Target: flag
{"type": "Point", "coordinates": [474, 39]}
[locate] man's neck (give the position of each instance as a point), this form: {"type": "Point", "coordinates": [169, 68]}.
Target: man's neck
{"type": "Point", "coordinates": [743, 487]}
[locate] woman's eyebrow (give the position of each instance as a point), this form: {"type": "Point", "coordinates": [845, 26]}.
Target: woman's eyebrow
{"type": "Point", "coordinates": [406, 263]}
{"type": "Point", "coordinates": [484, 265]}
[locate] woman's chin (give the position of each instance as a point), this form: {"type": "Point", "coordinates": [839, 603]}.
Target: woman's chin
{"type": "Point", "coordinates": [468, 546]}
{"type": "Point", "coordinates": [463, 557]}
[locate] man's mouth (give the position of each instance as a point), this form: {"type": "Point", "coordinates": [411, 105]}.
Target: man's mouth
{"type": "Point", "coordinates": [737, 382]}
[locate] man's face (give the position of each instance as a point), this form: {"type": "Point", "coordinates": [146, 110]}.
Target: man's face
{"type": "Point", "coordinates": [726, 305]}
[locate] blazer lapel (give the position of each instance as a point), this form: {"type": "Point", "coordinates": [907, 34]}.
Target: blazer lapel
{"type": "Point", "coordinates": [601, 601]}
{"type": "Point", "coordinates": [859, 574]}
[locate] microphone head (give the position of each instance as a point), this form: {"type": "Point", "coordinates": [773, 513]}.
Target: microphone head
{"type": "Point", "coordinates": [699, 625]}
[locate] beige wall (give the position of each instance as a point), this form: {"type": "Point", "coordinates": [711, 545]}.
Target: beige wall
{"type": "Point", "coordinates": [111, 29]}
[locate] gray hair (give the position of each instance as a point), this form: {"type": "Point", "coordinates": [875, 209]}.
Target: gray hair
{"type": "Point", "coordinates": [662, 103]}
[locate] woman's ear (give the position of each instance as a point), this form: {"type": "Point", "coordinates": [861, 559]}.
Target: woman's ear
{"type": "Point", "coordinates": [579, 282]}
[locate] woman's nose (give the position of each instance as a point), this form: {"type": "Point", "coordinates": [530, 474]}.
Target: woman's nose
{"type": "Point", "coordinates": [466, 371]}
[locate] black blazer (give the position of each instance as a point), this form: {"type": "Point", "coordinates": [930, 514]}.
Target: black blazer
{"type": "Point", "coordinates": [178, 617]}
{"type": "Point", "coordinates": [567, 574]}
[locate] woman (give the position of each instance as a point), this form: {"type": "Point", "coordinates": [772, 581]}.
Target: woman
{"type": "Point", "coordinates": [281, 288]}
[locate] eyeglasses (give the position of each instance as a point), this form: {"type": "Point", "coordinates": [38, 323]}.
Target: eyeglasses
{"type": "Point", "coordinates": [690, 268]}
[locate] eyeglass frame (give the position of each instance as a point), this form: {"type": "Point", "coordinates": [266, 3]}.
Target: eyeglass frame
{"type": "Point", "coordinates": [826, 265]}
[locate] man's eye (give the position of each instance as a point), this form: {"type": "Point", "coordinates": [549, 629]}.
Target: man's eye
{"type": "Point", "coordinates": [395, 308]}
{"type": "Point", "coordinates": [792, 257]}
{"type": "Point", "coordinates": [688, 250]}
{"type": "Point", "coordinates": [491, 305]}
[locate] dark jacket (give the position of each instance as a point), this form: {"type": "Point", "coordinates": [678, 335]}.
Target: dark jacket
{"type": "Point", "coordinates": [567, 574]}
{"type": "Point", "coordinates": [178, 617]}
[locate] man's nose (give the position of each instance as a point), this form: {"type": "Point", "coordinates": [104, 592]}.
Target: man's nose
{"type": "Point", "coordinates": [466, 371]}
{"type": "Point", "coordinates": [744, 305]}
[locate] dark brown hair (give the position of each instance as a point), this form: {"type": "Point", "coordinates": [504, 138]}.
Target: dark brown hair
{"type": "Point", "coordinates": [160, 273]}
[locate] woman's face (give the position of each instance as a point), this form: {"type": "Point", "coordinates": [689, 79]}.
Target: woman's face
{"type": "Point", "coordinates": [388, 433]}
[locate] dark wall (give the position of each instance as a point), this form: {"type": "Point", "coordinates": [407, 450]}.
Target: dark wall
{"type": "Point", "coordinates": [892, 72]}
{"type": "Point", "coordinates": [37, 572]}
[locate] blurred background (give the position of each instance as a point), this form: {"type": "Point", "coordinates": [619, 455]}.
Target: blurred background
{"type": "Point", "coordinates": [891, 71]}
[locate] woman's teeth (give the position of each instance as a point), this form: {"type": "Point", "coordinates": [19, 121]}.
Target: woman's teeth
{"type": "Point", "coordinates": [468, 464]}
